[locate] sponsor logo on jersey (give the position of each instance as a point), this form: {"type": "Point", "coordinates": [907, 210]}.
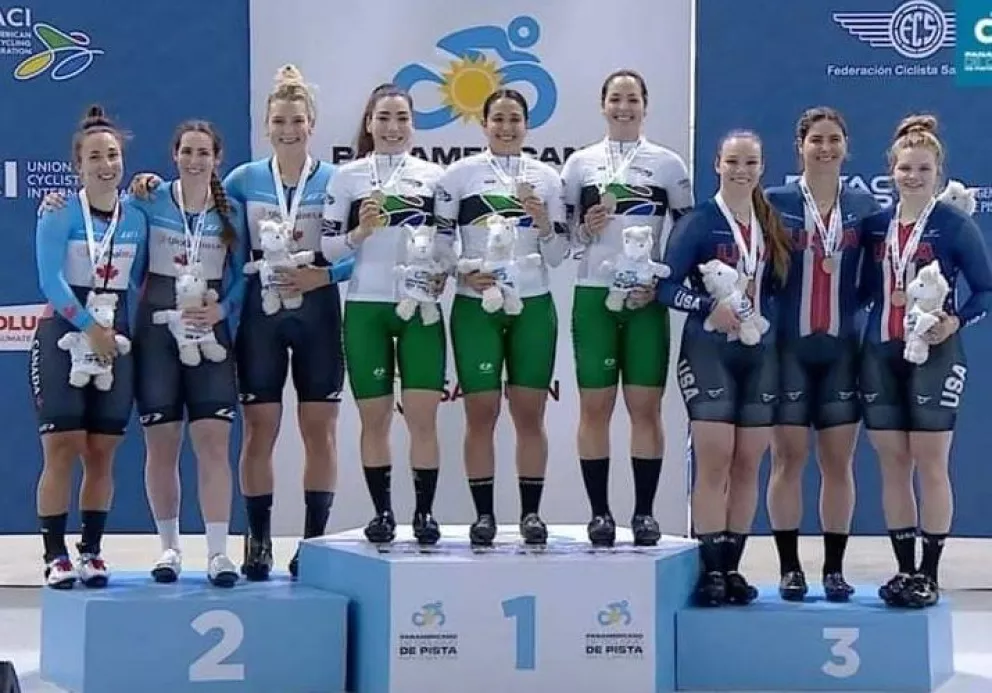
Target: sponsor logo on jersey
{"type": "Point", "coordinates": [479, 60]}
{"type": "Point", "coordinates": [911, 40]}
{"type": "Point", "coordinates": [43, 48]}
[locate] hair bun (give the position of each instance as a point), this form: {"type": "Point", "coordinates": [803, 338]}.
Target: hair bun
{"type": "Point", "coordinates": [917, 123]}
{"type": "Point", "coordinates": [95, 117]}
{"type": "Point", "coordinates": [289, 74]}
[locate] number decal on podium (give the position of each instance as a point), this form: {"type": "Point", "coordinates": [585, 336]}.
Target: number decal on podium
{"type": "Point", "coordinates": [523, 609]}
{"type": "Point", "coordinates": [850, 660]}
{"type": "Point", "coordinates": [211, 665]}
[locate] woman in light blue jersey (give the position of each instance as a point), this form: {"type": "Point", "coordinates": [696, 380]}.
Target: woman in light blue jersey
{"type": "Point", "coordinates": [91, 257]}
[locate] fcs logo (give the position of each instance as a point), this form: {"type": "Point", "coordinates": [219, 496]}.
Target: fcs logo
{"type": "Point", "coordinates": [916, 29]}
{"type": "Point", "coordinates": [471, 76]}
{"type": "Point", "coordinates": [429, 615]}
{"type": "Point", "coordinates": [617, 613]}
{"type": "Point", "coordinates": [983, 31]}
{"type": "Point", "coordinates": [66, 53]}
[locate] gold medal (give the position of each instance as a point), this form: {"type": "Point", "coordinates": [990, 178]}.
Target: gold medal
{"type": "Point", "coordinates": [609, 200]}
{"type": "Point", "coordinates": [524, 191]}
{"type": "Point", "coordinates": [898, 299]}
{"type": "Point", "coordinates": [829, 264]}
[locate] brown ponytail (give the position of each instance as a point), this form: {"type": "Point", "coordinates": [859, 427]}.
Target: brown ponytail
{"type": "Point", "coordinates": [776, 237]}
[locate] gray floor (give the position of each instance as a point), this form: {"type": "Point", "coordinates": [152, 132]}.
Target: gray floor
{"type": "Point", "coordinates": [965, 576]}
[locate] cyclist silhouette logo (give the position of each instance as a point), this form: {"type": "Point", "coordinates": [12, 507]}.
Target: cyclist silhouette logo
{"type": "Point", "coordinates": [429, 615]}
{"type": "Point", "coordinates": [472, 75]}
{"type": "Point", "coordinates": [68, 52]}
{"type": "Point", "coordinates": [616, 613]}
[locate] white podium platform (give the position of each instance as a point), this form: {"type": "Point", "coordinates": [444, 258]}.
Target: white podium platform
{"type": "Point", "coordinates": [449, 618]}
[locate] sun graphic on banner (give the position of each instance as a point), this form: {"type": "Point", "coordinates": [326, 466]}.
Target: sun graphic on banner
{"type": "Point", "coordinates": [467, 84]}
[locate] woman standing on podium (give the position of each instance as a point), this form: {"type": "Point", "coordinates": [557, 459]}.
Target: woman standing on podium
{"type": "Point", "coordinates": [819, 351]}
{"type": "Point", "coordinates": [912, 390]}
{"type": "Point", "coordinates": [369, 203]}
{"type": "Point", "coordinates": [728, 364]}
{"type": "Point", "coordinates": [621, 182]}
{"type": "Point", "coordinates": [92, 258]}
{"type": "Point", "coordinates": [503, 180]}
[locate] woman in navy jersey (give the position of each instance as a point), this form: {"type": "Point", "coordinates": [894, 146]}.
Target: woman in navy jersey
{"type": "Point", "coordinates": [819, 347]}
{"type": "Point", "coordinates": [94, 251]}
{"type": "Point", "coordinates": [729, 387]}
{"type": "Point", "coordinates": [911, 397]}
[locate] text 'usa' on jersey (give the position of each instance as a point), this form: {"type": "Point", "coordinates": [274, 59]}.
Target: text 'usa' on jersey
{"type": "Point", "coordinates": [408, 201]}
{"type": "Point", "coordinates": [698, 237]}
{"type": "Point", "coordinates": [470, 192]}
{"type": "Point", "coordinates": [815, 300]}
{"type": "Point", "coordinates": [654, 186]}
{"type": "Point", "coordinates": [950, 237]}
{"type": "Point", "coordinates": [251, 184]}
{"type": "Point", "coordinates": [65, 270]}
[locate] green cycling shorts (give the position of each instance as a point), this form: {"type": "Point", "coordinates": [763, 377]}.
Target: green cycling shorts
{"type": "Point", "coordinates": [376, 339]}
{"type": "Point", "coordinates": [628, 344]}
{"type": "Point", "coordinates": [484, 342]}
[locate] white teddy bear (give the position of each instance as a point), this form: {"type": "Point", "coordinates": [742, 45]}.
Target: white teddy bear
{"type": "Point", "coordinates": [726, 285]}
{"type": "Point", "coordinates": [191, 292]}
{"type": "Point", "coordinates": [275, 238]}
{"type": "Point", "coordinates": [86, 365]}
{"type": "Point", "coordinates": [633, 266]}
{"type": "Point", "coordinates": [926, 295]}
{"type": "Point", "coordinates": [959, 196]}
{"type": "Point", "coordinates": [421, 265]}
{"type": "Point", "coordinates": [501, 261]}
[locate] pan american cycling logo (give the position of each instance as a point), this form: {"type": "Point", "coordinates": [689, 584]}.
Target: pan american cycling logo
{"type": "Point", "coordinates": [44, 48]}
{"type": "Point", "coordinates": [471, 75]}
{"type": "Point", "coordinates": [916, 30]}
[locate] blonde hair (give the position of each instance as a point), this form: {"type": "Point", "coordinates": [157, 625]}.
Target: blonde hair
{"type": "Point", "coordinates": [914, 132]}
{"type": "Point", "coordinates": [290, 86]}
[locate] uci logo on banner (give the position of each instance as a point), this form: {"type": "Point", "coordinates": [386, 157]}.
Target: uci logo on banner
{"type": "Point", "coordinates": [471, 75]}
{"type": "Point", "coordinates": [42, 47]}
{"type": "Point", "coordinates": [974, 49]}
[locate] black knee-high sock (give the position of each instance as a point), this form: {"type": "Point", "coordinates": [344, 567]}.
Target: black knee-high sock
{"type": "Point", "coordinates": [787, 544]}
{"type": "Point", "coordinates": [834, 546]}
{"type": "Point", "coordinates": [482, 495]}
{"type": "Point", "coordinates": [904, 546]}
{"type": "Point", "coordinates": [711, 551]}
{"type": "Point", "coordinates": [647, 472]}
{"type": "Point", "coordinates": [379, 482]}
{"type": "Point", "coordinates": [317, 506]}
{"type": "Point", "coordinates": [531, 488]}
{"type": "Point", "coordinates": [259, 515]}
{"type": "Point", "coordinates": [93, 524]}
{"type": "Point", "coordinates": [53, 535]}
{"type": "Point", "coordinates": [733, 550]}
{"type": "Point", "coordinates": [933, 546]}
{"type": "Point", "coordinates": [596, 477]}
{"type": "Point", "coordinates": [424, 488]}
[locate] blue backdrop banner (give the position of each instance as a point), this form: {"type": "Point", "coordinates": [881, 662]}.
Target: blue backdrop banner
{"type": "Point", "coordinates": [876, 61]}
{"type": "Point", "coordinates": [150, 67]}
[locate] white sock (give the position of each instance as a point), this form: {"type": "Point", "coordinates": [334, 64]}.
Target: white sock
{"type": "Point", "coordinates": [168, 532]}
{"type": "Point", "coordinates": [216, 539]}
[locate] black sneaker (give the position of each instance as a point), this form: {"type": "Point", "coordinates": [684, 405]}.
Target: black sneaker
{"type": "Point", "coordinates": [836, 589]}
{"type": "Point", "coordinates": [896, 591]}
{"type": "Point", "coordinates": [533, 530]}
{"type": "Point", "coordinates": [257, 560]}
{"type": "Point", "coordinates": [739, 591]}
{"type": "Point", "coordinates": [602, 530]}
{"type": "Point", "coordinates": [711, 590]}
{"type": "Point", "coordinates": [381, 529]}
{"type": "Point", "coordinates": [483, 531]}
{"type": "Point", "coordinates": [922, 591]}
{"type": "Point", "coordinates": [425, 529]}
{"type": "Point", "coordinates": [646, 530]}
{"type": "Point", "coordinates": [294, 564]}
{"type": "Point", "coordinates": [792, 587]}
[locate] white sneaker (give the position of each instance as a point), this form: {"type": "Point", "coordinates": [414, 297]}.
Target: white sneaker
{"type": "Point", "coordinates": [168, 567]}
{"type": "Point", "coordinates": [221, 571]}
{"type": "Point", "coordinates": [60, 574]}
{"type": "Point", "coordinates": [92, 570]}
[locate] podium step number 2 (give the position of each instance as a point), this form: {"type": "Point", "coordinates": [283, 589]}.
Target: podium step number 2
{"type": "Point", "coordinates": [212, 664]}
